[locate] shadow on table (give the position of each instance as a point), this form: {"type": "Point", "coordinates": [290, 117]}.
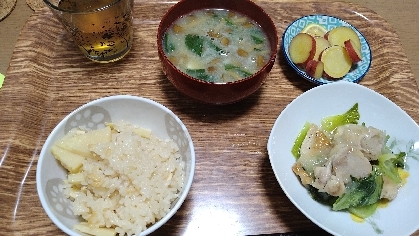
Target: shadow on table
{"type": "Point", "coordinates": [303, 233]}
{"type": "Point", "coordinates": [284, 209]}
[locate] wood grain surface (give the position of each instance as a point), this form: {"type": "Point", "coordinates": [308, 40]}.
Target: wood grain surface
{"type": "Point", "coordinates": [48, 78]}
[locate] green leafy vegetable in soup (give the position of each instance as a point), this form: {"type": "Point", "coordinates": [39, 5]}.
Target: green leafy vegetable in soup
{"type": "Point", "coordinates": [168, 47]}
{"type": "Point", "coordinates": [194, 43]}
{"type": "Point", "coordinates": [216, 45]}
{"type": "Point", "coordinates": [237, 69]}
{"type": "Point", "coordinates": [200, 74]}
{"type": "Point", "coordinates": [346, 165]}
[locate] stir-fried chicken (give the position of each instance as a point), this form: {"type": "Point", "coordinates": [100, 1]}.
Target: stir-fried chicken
{"type": "Point", "coordinates": [332, 163]}
{"type": "Point", "coordinates": [314, 149]}
{"type": "Point", "coordinates": [390, 188]}
{"type": "Point", "coordinates": [369, 140]}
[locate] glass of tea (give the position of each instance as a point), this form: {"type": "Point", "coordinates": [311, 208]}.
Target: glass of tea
{"type": "Point", "coordinates": [102, 29]}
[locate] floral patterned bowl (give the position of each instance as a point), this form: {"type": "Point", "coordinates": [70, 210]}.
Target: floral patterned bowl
{"type": "Point", "coordinates": [329, 22]}
{"type": "Point", "coordinates": [131, 109]}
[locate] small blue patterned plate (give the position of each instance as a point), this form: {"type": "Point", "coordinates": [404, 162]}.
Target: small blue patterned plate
{"type": "Point", "coordinates": [329, 22]}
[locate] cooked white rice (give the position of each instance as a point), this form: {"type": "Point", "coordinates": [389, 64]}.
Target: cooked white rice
{"type": "Point", "coordinates": [131, 182]}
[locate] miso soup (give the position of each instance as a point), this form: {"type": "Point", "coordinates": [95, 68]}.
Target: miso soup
{"type": "Point", "coordinates": [216, 45]}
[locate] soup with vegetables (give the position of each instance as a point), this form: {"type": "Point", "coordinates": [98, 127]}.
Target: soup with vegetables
{"type": "Point", "coordinates": [216, 45]}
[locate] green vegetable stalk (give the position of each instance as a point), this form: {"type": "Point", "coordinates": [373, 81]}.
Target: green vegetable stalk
{"type": "Point", "coordinates": [364, 211]}
{"type": "Point", "coordinates": [299, 140]}
{"type": "Point", "coordinates": [389, 163]}
{"type": "Point", "coordinates": [350, 117]}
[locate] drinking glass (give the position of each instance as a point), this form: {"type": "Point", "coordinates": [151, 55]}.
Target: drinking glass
{"type": "Point", "coordinates": [102, 29]}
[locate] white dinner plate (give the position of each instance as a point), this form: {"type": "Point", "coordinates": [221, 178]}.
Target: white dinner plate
{"type": "Point", "coordinates": [401, 216]}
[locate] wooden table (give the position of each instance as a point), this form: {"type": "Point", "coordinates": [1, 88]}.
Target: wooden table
{"type": "Point", "coordinates": [397, 13]}
{"type": "Point", "coordinates": [235, 191]}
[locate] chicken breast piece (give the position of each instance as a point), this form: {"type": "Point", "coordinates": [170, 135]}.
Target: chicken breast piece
{"type": "Point", "coordinates": [369, 140]}
{"type": "Point", "coordinates": [344, 162]}
{"type": "Point", "coordinates": [348, 161]}
{"type": "Point", "coordinates": [314, 149]}
{"type": "Point", "coordinates": [335, 186]}
{"type": "Point", "coordinates": [305, 177]}
{"type": "Point", "coordinates": [326, 182]}
{"type": "Point", "coordinates": [390, 188]}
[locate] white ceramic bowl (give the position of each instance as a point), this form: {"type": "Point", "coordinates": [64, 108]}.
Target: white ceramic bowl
{"type": "Point", "coordinates": [401, 215]}
{"type": "Point", "coordinates": [134, 110]}
{"type": "Point", "coordinates": [329, 22]}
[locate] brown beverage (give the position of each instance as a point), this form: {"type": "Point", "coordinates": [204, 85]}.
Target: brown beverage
{"type": "Point", "coordinates": [101, 28]}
